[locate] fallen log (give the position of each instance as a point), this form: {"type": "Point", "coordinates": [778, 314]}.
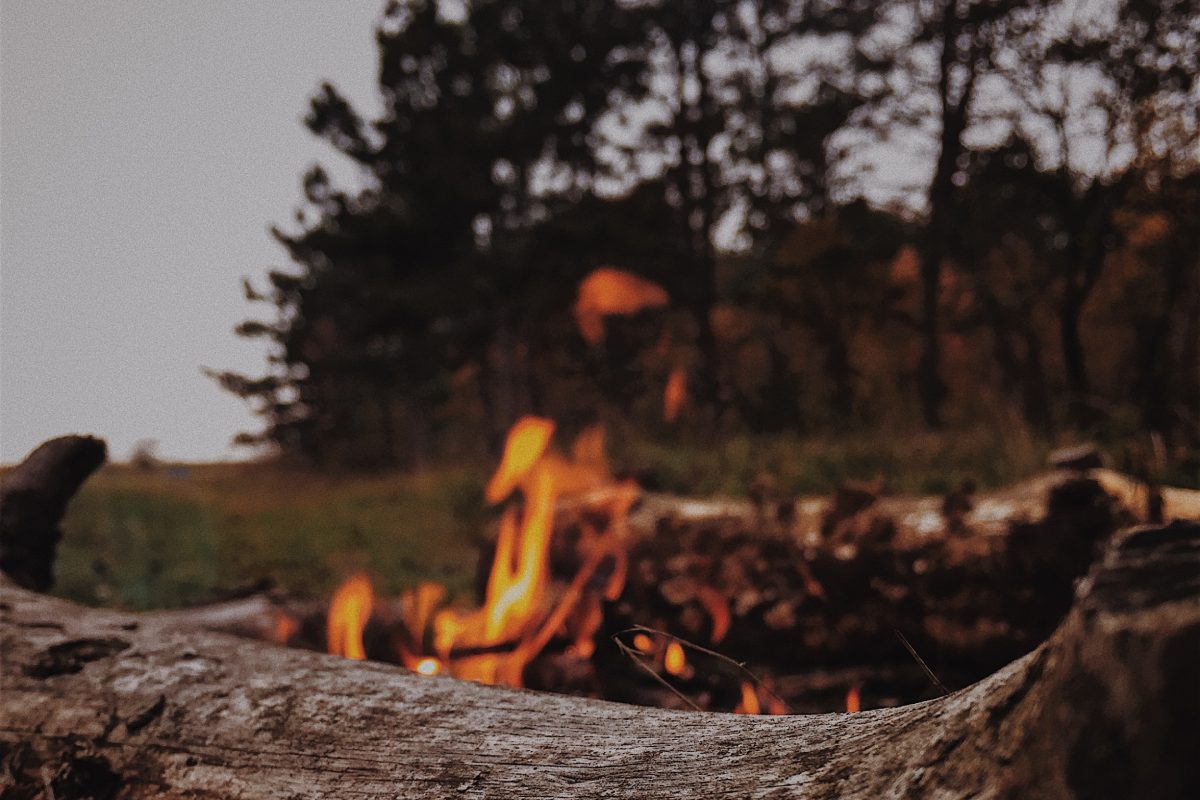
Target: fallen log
{"type": "Point", "coordinates": [98, 703]}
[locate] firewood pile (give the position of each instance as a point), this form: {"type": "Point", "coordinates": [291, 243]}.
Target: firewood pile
{"type": "Point", "coordinates": [887, 600]}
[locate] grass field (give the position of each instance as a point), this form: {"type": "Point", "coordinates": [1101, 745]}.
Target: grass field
{"type": "Point", "coordinates": [184, 534]}
{"type": "Point", "coordinates": [180, 535]}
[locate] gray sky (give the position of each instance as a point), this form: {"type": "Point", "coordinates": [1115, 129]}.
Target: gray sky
{"type": "Point", "coordinates": [145, 147]}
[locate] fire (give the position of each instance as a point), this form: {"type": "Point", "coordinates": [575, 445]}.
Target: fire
{"type": "Point", "coordinates": [853, 702]}
{"type": "Point", "coordinates": [526, 443]}
{"type": "Point", "coordinates": [675, 394]}
{"type": "Point", "coordinates": [348, 614]}
{"type": "Point", "coordinates": [428, 666]}
{"type": "Point", "coordinates": [749, 703]}
{"type": "Point", "coordinates": [718, 609]}
{"type": "Point", "coordinates": [643, 642]}
{"type": "Point", "coordinates": [284, 628]}
{"type": "Point", "coordinates": [752, 700]}
{"type": "Point", "coordinates": [520, 614]}
{"type": "Point", "coordinates": [607, 291]}
{"type": "Point", "coordinates": [675, 662]}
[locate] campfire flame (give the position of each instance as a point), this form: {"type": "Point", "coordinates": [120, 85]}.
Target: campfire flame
{"type": "Point", "coordinates": [675, 660]}
{"type": "Point", "coordinates": [526, 443]}
{"type": "Point", "coordinates": [718, 609]}
{"type": "Point", "coordinates": [749, 703]}
{"type": "Point", "coordinates": [348, 614]}
{"type": "Point", "coordinates": [675, 394]}
{"type": "Point", "coordinates": [853, 701]}
{"type": "Point", "coordinates": [523, 611]}
{"type": "Point", "coordinates": [520, 614]}
{"type": "Point", "coordinates": [607, 291]}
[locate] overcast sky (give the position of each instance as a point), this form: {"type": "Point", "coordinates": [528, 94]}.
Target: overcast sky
{"type": "Point", "coordinates": [145, 148]}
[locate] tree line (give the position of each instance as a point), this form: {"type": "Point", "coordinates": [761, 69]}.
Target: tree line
{"type": "Point", "coordinates": [863, 212]}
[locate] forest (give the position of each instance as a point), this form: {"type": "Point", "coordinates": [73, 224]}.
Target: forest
{"type": "Point", "coordinates": [701, 218]}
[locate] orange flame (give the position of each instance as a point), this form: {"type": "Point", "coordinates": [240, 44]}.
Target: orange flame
{"type": "Point", "coordinates": [284, 628]}
{"type": "Point", "coordinates": [749, 703]}
{"type": "Point", "coordinates": [643, 642]}
{"type": "Point", "coordinates": [675, 662]}
{"type": "Point", "coordinates": [519, 616]}
{"type": "Point", "coordinates": [515, 587]}
{"type": "Point", "coordinates": [524, 447]}
{"type": "Point", "coordinates": [675, 394]}
{"type": "Point", "coordinates": [853, 702]}
{"type": "Point", "coordinates": [607, 291]}
{"type": "Point", "coordinates": [718, 608]}
{"type": "Point", "coordinates": [348, 614]}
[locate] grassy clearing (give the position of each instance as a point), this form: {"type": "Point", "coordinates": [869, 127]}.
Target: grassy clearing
{"type": "Point", "coordinates": [179, 535]}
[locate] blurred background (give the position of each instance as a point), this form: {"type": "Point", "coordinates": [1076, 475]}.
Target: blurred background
{"type": "Point", "coordinates": [759, 241]}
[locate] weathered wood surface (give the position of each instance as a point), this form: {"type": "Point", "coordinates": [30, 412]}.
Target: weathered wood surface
{"type": "Point", "coordinates": [104, 704]}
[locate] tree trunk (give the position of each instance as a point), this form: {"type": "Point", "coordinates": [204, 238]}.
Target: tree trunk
{"type": "Point", "coordinates": [104, 704]}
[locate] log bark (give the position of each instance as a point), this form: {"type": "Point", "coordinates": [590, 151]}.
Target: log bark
{"type": "Point", "coordinates": [98, 703]}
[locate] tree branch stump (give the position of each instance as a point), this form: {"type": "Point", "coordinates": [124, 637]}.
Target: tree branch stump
{"type": "Point", "coordinates": [33, 499]}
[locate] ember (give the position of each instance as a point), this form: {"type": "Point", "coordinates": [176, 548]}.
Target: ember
{"type": "Point", "coordinates": [675, 394]}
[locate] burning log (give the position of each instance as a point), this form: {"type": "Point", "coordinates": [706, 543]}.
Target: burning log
{"type": "Point", "coordinates": [104, 704]}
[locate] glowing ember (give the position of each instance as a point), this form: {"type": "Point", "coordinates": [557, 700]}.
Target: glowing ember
{"type": "Point", "coordinates": [853, 702]}
{"type": "Point", "coordinates": [348, 614]}
{"type": "Point", "coordinates": [749, 703]}
{"type": "Point", "coordinates": [428, 666]}
{"type": "Point", "coordinates": [607, 291]}
{"type": "Point", "coordinates": [284, 629]}
{"type": "Point", "coordinates": [675, 394]}
{"type": "Point", "coordinates": [675, 662]}
{"type": "Point", "coordinates": [643, 642]}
